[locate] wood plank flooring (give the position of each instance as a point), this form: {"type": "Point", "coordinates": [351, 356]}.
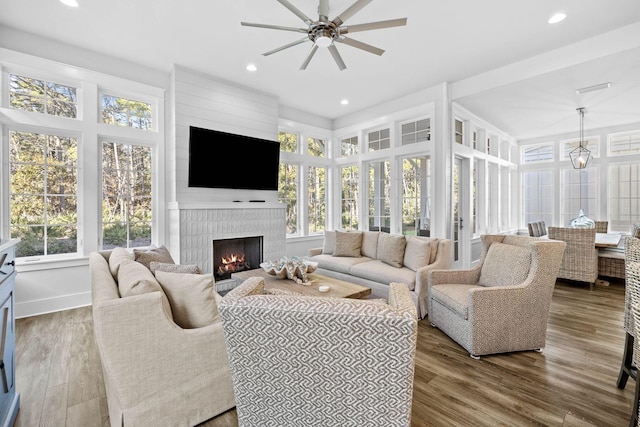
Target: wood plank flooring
{"type": "Point", "coordinates": [571, 383]}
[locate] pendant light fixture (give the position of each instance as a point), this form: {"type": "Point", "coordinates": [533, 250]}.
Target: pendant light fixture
{"type": "Point", "coordinates": [580, 156]}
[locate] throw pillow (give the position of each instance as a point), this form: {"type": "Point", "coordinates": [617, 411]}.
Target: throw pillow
{"type": "Point", "coordinates": [117, 256]}
{"type": "Point", "coordinates": [370, 244]}
{"type": "Point", "coordinates": [135, 279]}
{"type": "Point", "coordinates": [145, 256]}
{"type": "Point", "coordinates": [329, 242]}
{"type": "Point", "coordinates": [505, 265]}
{"type": "Point", "coordinates": [193, 298]}
{"type": "Point", "coordinates": [348, 243]}
{"type": "Point", "coordinates": [174, 268]}
{"type": "Point", "coordinates": [417, 253]}
{"type": "Point", "coordinates": [391, 249]}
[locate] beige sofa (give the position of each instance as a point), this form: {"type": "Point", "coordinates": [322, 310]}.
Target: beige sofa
{"type": "Point", "coordinates": [376, 259]}
{"type": "Point", "coordinates": [155, 371]}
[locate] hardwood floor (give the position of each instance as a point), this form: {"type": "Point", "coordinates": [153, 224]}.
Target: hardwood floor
{"type": "Point", "coordinates": [571, 383]}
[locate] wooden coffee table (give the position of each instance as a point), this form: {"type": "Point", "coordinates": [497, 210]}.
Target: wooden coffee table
{"type": "Point", "coordinates": [337, 288]}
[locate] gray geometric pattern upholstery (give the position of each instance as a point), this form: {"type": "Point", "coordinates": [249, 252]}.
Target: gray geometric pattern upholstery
{"type": "Point", "coordinates": [498, 319]}
{"type": "Point", "coordinates": [317, 361]}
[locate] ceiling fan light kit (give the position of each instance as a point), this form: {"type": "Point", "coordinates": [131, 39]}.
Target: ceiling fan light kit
{"type": "Point", "coordinates": [325, 33]}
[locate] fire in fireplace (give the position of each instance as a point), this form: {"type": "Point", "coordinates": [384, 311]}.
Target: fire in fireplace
{"type": "Point", "coordinates": [237, 254]}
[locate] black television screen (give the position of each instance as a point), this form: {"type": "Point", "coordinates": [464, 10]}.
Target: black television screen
{"type": "Point", "coordinates": [226, 160]}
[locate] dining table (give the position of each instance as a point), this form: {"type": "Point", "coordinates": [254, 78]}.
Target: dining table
{"type": "Point", "coordinates": [608, 240]}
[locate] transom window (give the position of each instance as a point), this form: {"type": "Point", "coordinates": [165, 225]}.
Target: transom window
{"type": "Point", "coordinates": [591, 144]}
{"type": "Point", "coordinates": [125, 112]}
{"type": "Point", "coordinates": [41, 96]}
{"type": "Point", "coordinates": [537, 153]}
{"type": "Point", "coordinates": [288, 141]}
{"type": "Point", "coordinates": [349, 146]}
{"type": "Point", "coordinates": [126, 195]}
{"type": "Point", "coordinates": [317, 147]}
{"type": "Point", "coordinates": [413, 132]}
{"type": "Point", "coordinates": [379, 139]}
{"type": "Point", "coordinates": [624, 143]}
{"type": "Point", "coordinates": [43, 193]}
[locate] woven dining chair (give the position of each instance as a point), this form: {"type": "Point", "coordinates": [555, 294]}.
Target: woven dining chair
{"type": "Point", "coordinates": [580, 260]}
{"type": "Point", "coordinates": [627, 368]}
{"type": "Point", "coordinates": [602, 226]}
{"type": "Point", "coordinates": [632, 313]}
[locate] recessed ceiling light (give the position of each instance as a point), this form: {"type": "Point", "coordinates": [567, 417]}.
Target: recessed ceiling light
{"type": "Point", "coordinates": [70, 3]}
{"type": "Point", "coordinates": [252, 67]}
{"type": "Point", "coordinates": [344, 102]}
{"type": "Point", "coordinates": [557, 18]}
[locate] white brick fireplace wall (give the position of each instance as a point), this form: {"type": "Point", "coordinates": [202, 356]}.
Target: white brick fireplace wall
{"type": "Point", "coordinates": [194, 226]}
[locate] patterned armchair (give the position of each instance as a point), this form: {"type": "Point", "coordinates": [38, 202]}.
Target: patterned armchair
{"type": "Point", "coordinates": [502, 304]}
{"type": "Point", "coordinates": [580, 260]}
{"type": "Point", "coordinates": [317, 361]}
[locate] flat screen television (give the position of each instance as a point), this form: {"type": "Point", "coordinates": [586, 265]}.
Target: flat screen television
{"type": "Point", "coordinates": [226, 160]}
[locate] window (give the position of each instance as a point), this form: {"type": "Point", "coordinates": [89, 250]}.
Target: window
{"type": "Point", "coordinates": [579, 191]}
{"type": "Point", "coordinates": [474, 197]}
{"type": "Point", "coordinates": [43, 193]}
{"type": "Point", "coordinates": [537, 153]}
{"type": "Point", "coordinates": [349, 146]}
{"type": "Point", "coordinates": [125, 112]}
{"type": "Point", "coordinates": [379, 196]}
{"type": "Point", "coordinates": [379, 140]}
{"type": "Point", "coordinates": [42, 96]}
{"type": "Point", "coordinates": [458, 132]}
{"type": "Point", "coordinates": [624, 143]}
{"type": "Point", "coordinates": [317, 147]}
{"type": "Point", "coordinates": [288, 194]}
{"type": "Point", "coordinates": [591, 144]}
{"type": "Point", "coordinates": [349, 198]}
{"type": "Point", "coordinates": [126, 195]}
{"type": "Point", "coordinates": [416, 209]}
{"type": "Point", "coordinates": [624, 197]}
{"type": "Point", "coordinates": [288, 142]}
{"type": "Point", "coordinates": [317, 199]}
{"type": "Point", "coordinates": [413, 132]}
{"type": "Point", "coordinates": [537, 198]}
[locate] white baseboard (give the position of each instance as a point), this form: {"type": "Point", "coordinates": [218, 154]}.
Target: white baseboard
{"type": "Point", "coordinates": [50, 305]}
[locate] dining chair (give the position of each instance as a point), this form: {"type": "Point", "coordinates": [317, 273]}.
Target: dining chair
{"type": "Point", "coordinates": [580, 259]}
{"type": "Point", "coordinates": [602, 226]}
{"type": "Point", "coordinates": [632, 285]}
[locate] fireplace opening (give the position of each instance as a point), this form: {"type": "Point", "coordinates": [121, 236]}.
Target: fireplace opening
{"type": "Point", "coordinates": [234, 255]}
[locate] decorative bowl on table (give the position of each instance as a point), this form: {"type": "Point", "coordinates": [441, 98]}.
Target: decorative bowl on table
{"type": "Point", "coordinates": [293, 268]}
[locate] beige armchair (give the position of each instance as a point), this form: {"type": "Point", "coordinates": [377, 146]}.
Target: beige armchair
{"type": "Point", "coordinates": [317, 361]}
{"type": "Point", "coordinates": [580, 260]}
{"type": "Point", "coordinates": [502, 304]}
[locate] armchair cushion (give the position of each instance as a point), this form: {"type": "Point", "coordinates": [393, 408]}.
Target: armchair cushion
{"type": "Point", "coordinates": [391, 249]}
{"type": "Point", "coordinates": [194, 301]}
{"type": "Point", "coordinates": [453, 296]}
{"type": "Point", "coordinates": [135, 279]}
{"type": "Point", "coordinates": [348, 243]}
{"type": "Point", "coordinates": [505, 265]}
{"type": "Point", "coordinates": [118, 255]}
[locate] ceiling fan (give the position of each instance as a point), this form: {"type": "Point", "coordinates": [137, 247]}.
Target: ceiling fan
{"type": "Point", "coordinates": [325, 33]}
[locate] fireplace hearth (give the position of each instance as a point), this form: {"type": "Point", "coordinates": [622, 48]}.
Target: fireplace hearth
{"type": "Point", "coordinates": [236, 254]}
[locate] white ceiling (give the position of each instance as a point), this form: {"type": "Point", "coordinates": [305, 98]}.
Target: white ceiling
{"type": "Point", "coordinates": [442, 42]}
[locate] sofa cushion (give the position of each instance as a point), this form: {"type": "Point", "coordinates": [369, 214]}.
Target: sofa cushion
{"type": "Point", "coordinates": [174, 268]}
{"type": "Point", "coordinates": [145, 256]}
{"type": "Point", "coordinates": [194, 301]}
{"type": "Point", "coordinates": [135, 279]}
{"type": "Point", "coordinates": [453, 296]}
{"type": "Point", "coordinates": [348, 244]}
{"type": "Point", "coordinates": [370, 244]}
{"type": "Point", "coordinates": [378, 271]}
{"type": "Point", "coordinates": [117, 256]}
{"type": "Point", "coordinates": [505, 265]}
{"type": "Point", "coordinates": [391, 249]}
{"type": "Point", "coordinates": [338, 264]}
{"type": "Point", "coordinates": [417, 253]}
{"type": "Point", "coordinates": [329, 243]}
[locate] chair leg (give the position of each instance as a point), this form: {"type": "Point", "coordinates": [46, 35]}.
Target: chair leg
{"type": "Point", "coordinates": [626, 368]}
{"type": "Point", "coordinates": [474, 357]}
{"type": "Point", "coordinates": [633, 422]}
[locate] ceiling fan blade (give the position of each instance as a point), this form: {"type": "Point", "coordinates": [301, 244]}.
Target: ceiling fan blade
{"type": "Point", "coordinates": [336, 56]}
{"type": "Point", "coordinates": [286, 46]}
{"type": "Point", "coordinates": [373, 25]}
{"type": "Point", "coordinates": [274, 27]}
{"type": "Point", "coordinates": [361, 45]}
{"type": "Point", "coordinates": [296, 11]}
{"type": "Point", "coordinates": [351, 10]}
{"type": "Point", "coordinates": [312, 52]}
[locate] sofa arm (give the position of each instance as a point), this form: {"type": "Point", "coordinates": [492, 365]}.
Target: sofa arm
{"type": "Point", "coordinates": [148, 358]}
{"type": "Point", "coordinates": [315, 251]}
